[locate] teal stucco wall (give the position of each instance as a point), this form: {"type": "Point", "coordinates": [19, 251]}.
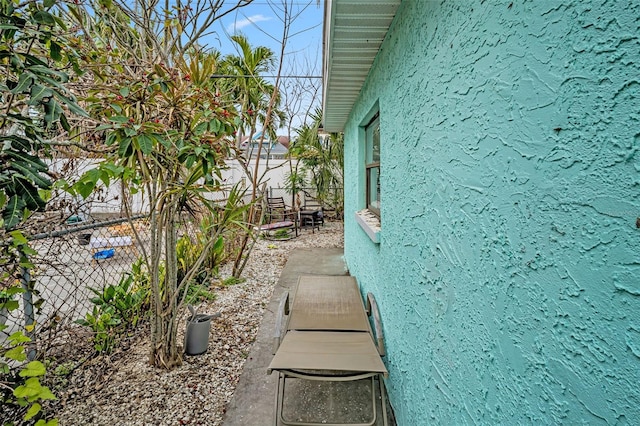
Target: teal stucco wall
{"type": "Point", "coordinates": [508, 269]}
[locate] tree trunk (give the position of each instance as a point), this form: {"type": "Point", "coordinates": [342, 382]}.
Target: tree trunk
{"type": "Point", "coordinates": [154, 272]}
{"type": "Point", "coordinates": [164, 330]}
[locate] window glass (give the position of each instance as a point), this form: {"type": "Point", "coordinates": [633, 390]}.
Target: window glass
{"type": "Point", "coordinates": [375, 149]}
{"type": "Point", "coordinates": [372, 166]}
{"type": "Point", "coordinates": [373, 188]}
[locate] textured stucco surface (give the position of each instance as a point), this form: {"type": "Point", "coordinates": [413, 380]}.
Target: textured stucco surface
{"type": "Point", "coordinates": [508, 269]}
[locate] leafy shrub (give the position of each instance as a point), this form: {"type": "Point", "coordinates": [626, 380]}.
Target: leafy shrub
{"type": "Point", "coordinates": [118, 307]}
{"type": "Point", "coordinates": [105, 325]}
{"type": "Point", "coordinates": [189, 250]}
{"type": "Point", "coordinates": [127, 300]}
{"type": "Point", "coordinates": [20, 388]}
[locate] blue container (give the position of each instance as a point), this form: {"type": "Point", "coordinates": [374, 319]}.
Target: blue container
{"type": "Point", "coordinates": [104, 254]}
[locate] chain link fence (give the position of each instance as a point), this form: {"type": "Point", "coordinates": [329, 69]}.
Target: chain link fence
{"type": "Point", "coordinates": [69, 262]}
{"type": "Point", "coordinates": [76, 257]}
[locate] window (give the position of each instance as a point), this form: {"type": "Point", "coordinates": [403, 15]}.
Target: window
{"type": "Point", "coordinates": [372, 164]}
{"type": "Point", "coordinates": [369, 136]}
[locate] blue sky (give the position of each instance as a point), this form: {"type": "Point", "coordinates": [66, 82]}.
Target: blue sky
{"type": "Point", "coordinates": [262, 23]}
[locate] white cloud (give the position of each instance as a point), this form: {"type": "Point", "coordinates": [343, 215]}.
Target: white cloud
{"type": "Point", "coordinates": [250, 20]}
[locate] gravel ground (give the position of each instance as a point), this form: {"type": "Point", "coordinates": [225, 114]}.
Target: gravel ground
{"type": "Point", "coordinates": [122, 389]}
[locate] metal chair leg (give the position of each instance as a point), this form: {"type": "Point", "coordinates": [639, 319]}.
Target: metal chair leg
{"type": "Point", "coordinates": [279, 399]}
{"type": "Point", "coordinates": [383, 397]}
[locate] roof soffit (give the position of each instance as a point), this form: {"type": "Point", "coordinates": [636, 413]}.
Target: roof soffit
{"type": "Point", "coordinates": [353, 33]}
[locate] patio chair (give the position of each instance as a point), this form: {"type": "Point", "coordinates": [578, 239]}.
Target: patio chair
{"type": "Point", "coordinates": [279, 217]}
{"type": "Point", "coordinates": [278, 211]}
{"type": "Point", "coordinates": [327, 337]}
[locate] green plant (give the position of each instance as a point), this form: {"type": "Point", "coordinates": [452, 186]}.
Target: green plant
{"type": "Point", "coordinates": [295, 182]}
{"type": "Point", "coordinates": [198, 293]}
{"type": "Point", "coordinates": [189, 250]}
{"type": "Point", "coordinates": [118, 308]}
{"type": "Point", "coordinates": [7, 300]}
{"type": "Point", "coordinates": [232, 281]}
{"type": "Point", "coordinates": [216, 255]}
{"type": "Point", "coordinates": [64, 369]}
{"type": "Point", "coordinates": [322, 159]}
{"type": "Point", "coordinates": [14, 257]}
{"type": "Point", "coordinates": [141, 275]}
{"type": "Point", "coordinates": [35, 101]}
{"type": "Point", "coordinates": [126, 298]}
{"type": "Point", "coordinates": [258, 101]}
{"type": "Point", "coordinates": [33, 95]}
{"type": "Point", "coordinates": [168, 133]}
{"type": "Point", "coordinates": [105, 325]}
{"type": "Point", "coordinates": [21, 391]}
{"type": "Point", "coordinates": [281, 234]}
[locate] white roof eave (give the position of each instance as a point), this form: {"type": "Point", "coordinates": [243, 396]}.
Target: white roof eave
{"type": "Point", "coordinates": [353, 33]}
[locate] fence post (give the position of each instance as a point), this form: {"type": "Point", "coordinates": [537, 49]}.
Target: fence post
{"type": "Point", "coordinates": [29, 316]}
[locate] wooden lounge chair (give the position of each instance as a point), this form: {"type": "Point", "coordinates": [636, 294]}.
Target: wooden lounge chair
{"type": "Point", "coordinates": [327, 337]}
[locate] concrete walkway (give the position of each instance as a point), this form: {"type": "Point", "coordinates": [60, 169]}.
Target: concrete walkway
{"type": "Point", "coordinates": [253, 403]}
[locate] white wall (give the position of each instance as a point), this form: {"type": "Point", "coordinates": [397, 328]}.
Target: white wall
{"type": "Point", "coordinates": [109, 200]}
